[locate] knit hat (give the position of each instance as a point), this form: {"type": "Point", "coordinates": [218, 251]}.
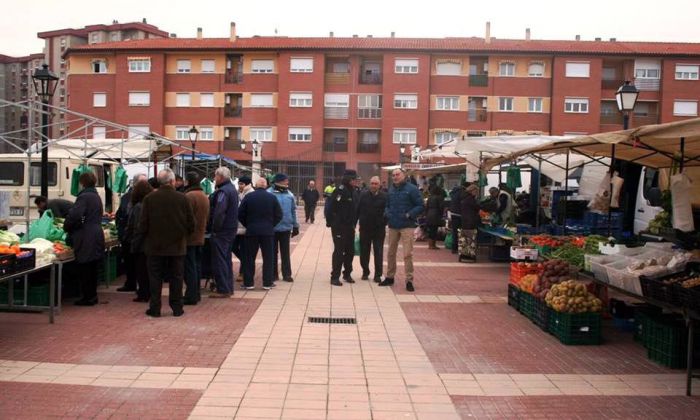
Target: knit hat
{"type": "Point", "coordinates": [279, 178]}
{"type": "Point", "coordinates": [245, 180]}
{"type": "Point", "coordinates": [350, 174]}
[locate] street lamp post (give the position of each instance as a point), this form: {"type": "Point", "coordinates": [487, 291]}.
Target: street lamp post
{"type": "Point", "coordinates": [402, 150]}
{"type": "Point", "coordinates": [194, 134]}
{"type": "Point", "coordinates": [626, 97]}
{"type": "Point", "coordinates": [256, 151]}
{"type": "Point", "coordinates": [45, 83]}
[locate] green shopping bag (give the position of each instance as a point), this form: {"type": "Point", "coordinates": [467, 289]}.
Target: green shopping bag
{"type": "Point", "coordinates": [120, 181]}
{"type": "Point", "coordinates": [75, 178]}
{"type": "Point", "coordinates": [357, 245]}
{"type": "Point", "coordinates": [449, 240]}
{"type": "Point", "coordinates": [42, 227]}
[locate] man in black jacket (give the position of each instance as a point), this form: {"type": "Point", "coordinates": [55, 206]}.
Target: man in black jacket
{"type": "Point", "coordinates": [310, 197]}
{"type": "Point", "coordinates": [121, 219]}
{"type": "Point", "coordinates": [372, 228]}
{"type": "Point", "coordinates": [456, 196]}
{"type": "Point", "coordinates": [342, 218]}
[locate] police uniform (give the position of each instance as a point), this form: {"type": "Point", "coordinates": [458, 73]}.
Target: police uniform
{"type": "Point", "coordinates": [342, 220]}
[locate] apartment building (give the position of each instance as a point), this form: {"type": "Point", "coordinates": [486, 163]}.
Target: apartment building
{"type": "Point", "coordinates": [16, 86]}
{"type": "Point", "coordinates": [332, 103]}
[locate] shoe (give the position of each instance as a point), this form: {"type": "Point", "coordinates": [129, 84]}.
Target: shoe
{"type": "Point", "coordinates": [365, 277]}
{"type": "Point", "coordinates": [189, 302]}
{"type": "Point", "coordinates": [126, 289]}
{"type": "Point", "coordinates": [388, 281]}
{"type": "Point", "coordinates": [336, 282]}
{"type": "Point", "coordinates": [141, 299]}
{"type": "Point", "coordinates": [349, 279]}
{"type": "Point", "coordinates": [220, 295]}
{"type": "Point", "coordinates": [86, 302]}
{"type": "Point", "coordinates": [378, 279]}
{"type": "Point", "coordinates": [249, 288]}
{"type": "Point", "coordinates": [409, 286]}
{"type": "Point", "coordinates": [153, 313]}
{"type": "Point", "coordinates": [178, 312]}
{"type": "Point", "coordinates": [267, 287]}
{"type": "Point", "coordinates": [288, 279]}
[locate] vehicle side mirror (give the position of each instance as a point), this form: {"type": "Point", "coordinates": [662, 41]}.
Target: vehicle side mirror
{"type": "Point", "coordinates": [654, 197]}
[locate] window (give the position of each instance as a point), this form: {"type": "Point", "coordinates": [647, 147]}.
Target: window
{"type": "Point", "coordinates": [299, 133]}
{"type": "Point", "coordinates": [139, 65]}
{"type": "Point", "coordinates": [184, 66]}
{"type": "Point", "coordinates": [11, 173]}
{"type": "Point", "coordinates": [404, 136]}
{"type": "Point", "coordinates": [301, 65]}
{"type": "Point", "coordinates": [261, 133]}
{"type": "Point", "coordinates": [206, 100]}
{"type": "Point", "coordinates": [444, 137]}
{"type": "Point", "coordinates": [534, 105]}
{"type": "Point", "coordinates": [687, 72]}
{"type": "Point", "coordinates": [262, 66]}
{"type": "Point", "coordinates": [35, 174]}
{"type": "Point", "coordinates": [406, 101]}
{"type": "Point", "coordinates": [340, 67]}
{"type": "Point", "coordinates": [114, 36]}
{"type": "Point", "coordinates": [93, 38]}
{"type": "Point", "coordinates": [406, 65]}
{"type": "Point", "coordinates": [576, 105]}
{"type": "Point", "coordinates": [449, 68]}
{"type": "Point", "coordinates": [99, 100]}
{"type": "Point", "coordinates": [206, 133]}
{"type": "Point", "coordinates": [139, 98]}
{"type": "Point", "coordinates": [182, 99]}
{"type": "Point", "coordinates": [647, 73]}
{"type": "Point", "coordinates": [99, 66]}
{"type": "Point", "coordinates": [182, 133]}
{"type": "Point", "coordinates": [535, 70]}
{"type": "Point", "coordinates": [685, 108]}
{"type": "Point", "coordinates": [505, 104]}
{"type": "Point", "coordinates": [506, 69]}
{"type": "Point", "coordinates": [577, 69]}
{"type": "Point", "coordinates": [300, 100]}
{"type": "Point", "coordinates": [138, 131]}
{"type": "Point", "coordinates": [447, 103]}
{"type": "Point", "coordinates": [334, 100]}
{"type": "Point", "coordinates": [99, 132]}
{"type": "Point", "coordinates": [263, 100]}
{"type": "Point", "coordinates": [369, 106]}
{"type": "Point", "coordinates": [208, 66]}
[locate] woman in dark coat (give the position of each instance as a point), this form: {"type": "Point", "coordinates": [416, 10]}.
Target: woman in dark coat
{"type": "Point", "coordinates": [435, 207]}
{"type": "Point", "coordinates": [84, 228]}
{"type": "Point", "coordinates": [470, 224]}
{"type": "Point", "coordinates": [135, 238]}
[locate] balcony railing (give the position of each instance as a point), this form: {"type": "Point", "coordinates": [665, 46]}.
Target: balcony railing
{"type": "Point", "coordinates": [647, 84]}
{"type": "Point", "coordinates": [611, 83]}
{"type": "Point", "coordinates": [233, 112]}
{"type": "Point", "coordinates": [335, 147]}
{"type": "Point", "coordinates": [232, 144]}
{"type": "Point", "coordinates": [371, 79]}
{"type": "Point", "coordinates": [479, 114]}
{"type": "Point", "coordinates": [231, 77]}
{"type": "Point", "coordinates": [367, 148]}
{"type": "Point", "coordinates": [335, 113]}
{"type": "Point", "coordinates": [369, 113]}
{"type": "Point", "coordinates": [645, 119]}
{"type": "Point", "coordinates": [337, 78]}
{"type": "Point", "coordinates": [478, 80]}
{"type": "Point", "coordinates": [612, 118]}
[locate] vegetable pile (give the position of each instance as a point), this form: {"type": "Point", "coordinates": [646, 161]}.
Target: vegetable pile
{"type": "Point", "coordinates": [553, 272]}
{"type": "Point", "coordinates": [572, 297]}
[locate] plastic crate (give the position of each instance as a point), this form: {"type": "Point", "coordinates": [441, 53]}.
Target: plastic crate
{"type": "Point", "coordinates": [26, 263]}
{"type": "Point", "coordinates": [656, 289]}
{"type": "Point", "coordinates": [112, 275]}
{"type": "Point", "coordinates": [597, 220]}
{"type": "Point", "coordinates": [36, 295]}
{"type": "Point", "coordinates": [625, 324]}
{"type": "Point", "coordinates": [667, 341]}
{"type": "Point", "coordinates": [576, 329]}
{"type": "Point", "coordinates": [7, 264]}
{"type": "Point", "coordinates": [517, 272]}
{"type": "Point", "coordinates": [527, 305]}
{"type": "Point", "coordinates": [541, 314]}
{"type": "Point", "coordinates": [514, 296]}
{"type": "Point", "coordinates": [597, 264]}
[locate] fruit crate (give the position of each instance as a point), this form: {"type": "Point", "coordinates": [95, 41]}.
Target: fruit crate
{"type": "Point", "coordinates": [667, 341]}
{"type": "Point", "coordinates": [514, 296]}
{"type": "Point", "coordinates": [520, 270]}
{"type": "Point", "coordinates": [576, 329]}
{"type": "Point", "coordinates": [527, 305]}
{"type": "Point", "coordinates": [656, 289]}
{"type": "Point", "coordinates": [36, 295]}
{"type": "Point", "coordinates": [27, 262]}
{"type": "Point", "coordinates": [541, 314]}
{"type": "Point", "coordinates": [7, 264]}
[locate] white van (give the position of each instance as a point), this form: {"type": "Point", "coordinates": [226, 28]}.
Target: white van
{"type": "Point", "coordinates": [15, 173]}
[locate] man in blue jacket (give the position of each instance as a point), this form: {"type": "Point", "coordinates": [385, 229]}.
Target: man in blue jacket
{"type": "Point", "coordinates": [224, 225]}
{"type": "Point", "coordinates": [403, 205]}
{"type": "Point", "coordinates": [287, 227]}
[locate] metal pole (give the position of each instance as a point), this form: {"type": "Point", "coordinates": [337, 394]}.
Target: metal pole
{"type": "Point", "coordinates": [45, 148]}
{"type": "Point", "coordinates": [30, 139]}
{"type": "Point", "coordinates": [539, 183]}
{"type": "Point", "coordinates": [689, 360]}
{"type": "Point", "coordinates": [566, 188]}
{"type": "Point", "coordinates": [612, 165]}
{"type": "Point", "coordinates": [682, 154]}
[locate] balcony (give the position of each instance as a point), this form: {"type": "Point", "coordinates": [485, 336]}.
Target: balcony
{"type": "Point", "coordinates": [647, 84]}
{"type": "Point", "coordinates": [369, 113]}
{"type": "Point", "coordinates": [645, 119]}
{"type": "Point", "coordinates": [335, 113]}
{"type": "Point", "coordinates": [478, 114]}
{"type": "Point", "coordinates": [232, 144]}
{"type": "Point", "coordinates": [335, 147]}
{"type": "Point", "coordinates": [611, 118]}
{"type": "Point", "coordinates": [233, 112]}
{"type": "Point", "coordinates": [478, 80]}
{"type": "Point", "coordinates": [611, 83]}
{"type": "Point", "coordinates": [371, 79]}
{"type": "Point", "coordinates": [337, 78]}
{"type": "Point", "coordinates": [367, 148]}
{"type": "Point", "coordinates": [233, 77]}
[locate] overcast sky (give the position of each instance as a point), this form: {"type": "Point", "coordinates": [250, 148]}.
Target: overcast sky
{"type": "Point", "coordinates": [641, 20]}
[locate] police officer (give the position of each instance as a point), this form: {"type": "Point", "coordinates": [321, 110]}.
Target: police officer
{"type": "Point", "coordinates": [342, 218]}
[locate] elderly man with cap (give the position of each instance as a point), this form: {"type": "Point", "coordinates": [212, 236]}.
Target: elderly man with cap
{"type": "Point", "coordinates": [342, 218]}
{"type": "Point", "coordinates": [245, 186]}
{"type": "Point", "coordinates": [287, 227]}
{"type": "Point", "coordinates": [224, 226]}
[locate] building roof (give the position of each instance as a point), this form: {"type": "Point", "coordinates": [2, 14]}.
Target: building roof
{"type": "Point", "coordinates": [6, 59]}
{"type": "Point", "coordinates": [468, 45]}
{"type": "Point", "coordinates": [83, 32]}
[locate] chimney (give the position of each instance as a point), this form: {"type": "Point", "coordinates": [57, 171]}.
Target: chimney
{"type": "Point", "coordinates": [599, 39]}
{"type": "Point", "coordinates": [144, 20]}
{"type": "Point", "coordinates": [173, 35]}
{"type": "Point", "coordinates": [330, 34]}
{"type": "Point", "coordinates": [527, 34]}
{"type": "Point", "coordinates": [369, 36]}
{"type": "Point", "coordinates": [487, 38]}
{"type": "Point", "coordinates": [393, 34]}
{"type": "Point", "coordinates": [199, 33]}
{"type": "Point", "coordinates": [232, 36]}
{"type": "Point", "coordinates": [578, 37]}
{"type": "Point", "coordinates": [613, 39]}
{"type": "Point", "coordinates": [354, 36]}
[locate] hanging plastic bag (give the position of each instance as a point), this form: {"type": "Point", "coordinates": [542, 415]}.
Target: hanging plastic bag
{"type": "Point", "coordinates": [682, 208]}
{"type": "Point", "coordinates": [449, 240]}
{"type": "Point", "coordinates": [357, 245]}
{"type": "Point", "coordinates": [42, 227]}
{"type": "Point", "coordinates": [75, 178]}
{"type": "Point", "coordinates": [207, 186]}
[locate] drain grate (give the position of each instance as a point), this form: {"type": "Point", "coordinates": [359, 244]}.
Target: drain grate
{"type": "Point", "coordinates": [331, 320]}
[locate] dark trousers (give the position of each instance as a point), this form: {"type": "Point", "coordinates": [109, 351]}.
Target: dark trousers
{"type": "Point", "coordinates": [455, 226]}
{"type": "Point", "coordinates": [221, 265]}
{"type": "Point", "coordinates": [432, 231]}
{"type": "Point", "coordinates": [193, 273]}
{"type": "Point", "coordinates": [374, 240]}
{"type": "Point", "coordinates": [281, 248]}
{"type": "Point", "coordinates": [129, 266]}
{"type": "Point", "coordinates": [309, 212]}
{"type": "Point", "coordinates": [141, 272]}
{"type": "Point", "coordinates": [343, 250]}
{"type": "Point", "coordinates": [266, 246]}
{"type": "Point", "coordinates": [238, 250]}
{"type": "Point", "coordinates": [87, 275]}
{"type": "Point", "coordinates": [160, 269]}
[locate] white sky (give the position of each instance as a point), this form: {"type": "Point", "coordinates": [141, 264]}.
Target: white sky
{"type": "Point", "coordinates": [641, 20]}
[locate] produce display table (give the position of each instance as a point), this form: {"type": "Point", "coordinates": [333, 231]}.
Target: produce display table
{"type": "Point", "coordinates": [688, 315]}
{"type": "Point", "coordinates": [10, 292]}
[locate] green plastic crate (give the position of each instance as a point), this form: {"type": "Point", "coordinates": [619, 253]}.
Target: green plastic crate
{"type": "Point", "coordinates": [576, 329]}
{"type": "Point", "coordinates": [666, 340]}
{"type": "Point", "coordinates": [36, 295]}
{"type": "Point", "coordinates": [541, 313]}
{"type": "Point", "coordinates": [514, 294]}
{"type": "Point", "coordinates": [112, 275]}
{"type": "Point", "coordinates": [527, 305]}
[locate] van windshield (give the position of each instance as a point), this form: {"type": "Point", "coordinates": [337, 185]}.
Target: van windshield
{"type": "Point", "coordinates": [11, 173]}
{"type": "Point", "coordinates": [651, 180]}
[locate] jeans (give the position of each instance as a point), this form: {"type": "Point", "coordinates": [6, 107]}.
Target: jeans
{"type": "Point", "coordinates": [281, 248]}
{"type": "Point", "coordinates": [161, 268]}
{"type": "Point", "coordinates": [372, 239]}
{"type": "Point", "coordinates": [193, 273]}
{"type": "Point", "coordinates": [405, 236]}
{"type": "Point", "coordinates": [343, 250]}
{"type": "Point", "coordinates": [221, 264]}
{"type": "Point", "coordinates": [252, 243]}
